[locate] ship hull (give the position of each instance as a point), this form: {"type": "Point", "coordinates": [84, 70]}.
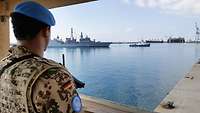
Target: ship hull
{"type": "Point", "coordinates": [78, 44]}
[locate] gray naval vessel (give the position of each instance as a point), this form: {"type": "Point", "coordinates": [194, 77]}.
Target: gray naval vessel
{"type": "Point", "coordinates": [72, 42]}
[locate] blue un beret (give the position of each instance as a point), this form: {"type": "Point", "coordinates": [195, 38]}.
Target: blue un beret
{"type": "Point", "coordinates": [36, 11]}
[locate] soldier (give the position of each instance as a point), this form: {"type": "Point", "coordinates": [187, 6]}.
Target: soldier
{"type": "Point", "coordinates": [30, 83]}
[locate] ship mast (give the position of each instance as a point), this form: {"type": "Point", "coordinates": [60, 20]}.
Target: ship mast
{"type": "Point", "coordinates": [197, 33]}
{"type": "Point", "coordinates": [81, 35]}
{"type": "Point", "coordinates": [72, 37]}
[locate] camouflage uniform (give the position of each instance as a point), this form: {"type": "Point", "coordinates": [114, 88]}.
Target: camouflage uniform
{"type": "Point", "coordinates": [34, 85]}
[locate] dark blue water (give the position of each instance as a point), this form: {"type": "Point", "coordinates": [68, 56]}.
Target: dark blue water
{"type": "Point", "coordinates": [134, 76]}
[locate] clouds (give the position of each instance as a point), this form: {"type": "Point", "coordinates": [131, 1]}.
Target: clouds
{"type": "Point", "coordinates": [170, 6]}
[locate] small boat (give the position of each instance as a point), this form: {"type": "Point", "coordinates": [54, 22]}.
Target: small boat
{"type": "Point", "coordinates": [140, 44]}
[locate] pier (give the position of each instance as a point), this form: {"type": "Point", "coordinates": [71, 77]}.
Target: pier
{"type": "Point", "coordinates": [184, 97]}
{"type": "Point", "coordinates": [95, 105]}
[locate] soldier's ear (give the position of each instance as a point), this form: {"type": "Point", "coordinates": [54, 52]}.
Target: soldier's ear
{"type": "Point", "coordinates": [46, 32]}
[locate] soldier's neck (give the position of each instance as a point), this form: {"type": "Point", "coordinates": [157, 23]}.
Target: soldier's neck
{"type": "Point", "coordinates": [35, 47]}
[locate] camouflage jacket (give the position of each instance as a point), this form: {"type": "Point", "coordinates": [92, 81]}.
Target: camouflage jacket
{"type": "Point", "coordinates": [34, 85]}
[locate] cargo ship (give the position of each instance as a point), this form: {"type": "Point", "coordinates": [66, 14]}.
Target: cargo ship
{"type": "Point", "coordinates": [72, 42]}
{"type": "Point", "coordinates": [154, 41]}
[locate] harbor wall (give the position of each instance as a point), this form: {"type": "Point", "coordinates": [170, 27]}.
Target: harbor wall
{"type": "Point", "coordinates": [185, 96]}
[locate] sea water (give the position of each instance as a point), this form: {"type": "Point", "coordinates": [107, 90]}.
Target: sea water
{"type": "Point", "coordinates": [140, 77]}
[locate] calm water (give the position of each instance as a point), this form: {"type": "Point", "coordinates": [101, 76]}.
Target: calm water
{"type": "Point", "coordinates": [134, 76]}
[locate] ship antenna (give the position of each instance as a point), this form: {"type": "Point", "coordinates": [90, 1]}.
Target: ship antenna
{"type": "Point", "coordinates": [72, 34]}
{"type": "Point", "coordinates": [197, 32]}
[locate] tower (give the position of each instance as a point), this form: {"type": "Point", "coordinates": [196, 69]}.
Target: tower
{"type": "Point", "coordinates": [197, 33]}
{"type": "Point", "coordinates": [81, 35]}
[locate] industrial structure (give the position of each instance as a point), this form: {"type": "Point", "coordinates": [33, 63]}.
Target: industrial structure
{"type": "Point", "coordinates": [197, 36]}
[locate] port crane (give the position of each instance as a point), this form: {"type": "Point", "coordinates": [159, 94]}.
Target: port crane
{"type": "Point", "coordinates": [197, 33]}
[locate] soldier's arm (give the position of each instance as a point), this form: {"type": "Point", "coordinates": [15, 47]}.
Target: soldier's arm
{"type": "Point", "coordinates": [54, 92]}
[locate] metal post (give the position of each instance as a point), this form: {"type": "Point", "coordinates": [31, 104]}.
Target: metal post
{"type": "Point", "coordinates": [63, 58]}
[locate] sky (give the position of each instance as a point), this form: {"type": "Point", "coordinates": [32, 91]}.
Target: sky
{"type": "Point", "coordinates": [127, 20]}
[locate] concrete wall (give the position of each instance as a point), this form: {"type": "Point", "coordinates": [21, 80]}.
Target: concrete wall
{"type": "Point", "coordinates": [4, 35]}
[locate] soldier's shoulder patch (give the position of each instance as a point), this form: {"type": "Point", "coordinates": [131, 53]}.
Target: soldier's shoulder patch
{"type": "Point", "coordinates": [50, 73]}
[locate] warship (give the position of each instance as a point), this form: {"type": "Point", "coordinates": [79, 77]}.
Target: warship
{"type": "Point", "coordinates": [72, 42]}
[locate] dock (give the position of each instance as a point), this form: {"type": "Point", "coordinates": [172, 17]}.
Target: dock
{"type": "Point", "coordinates": [96, 105]}
{"type": "Point", "coordinates": [185, 96]}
